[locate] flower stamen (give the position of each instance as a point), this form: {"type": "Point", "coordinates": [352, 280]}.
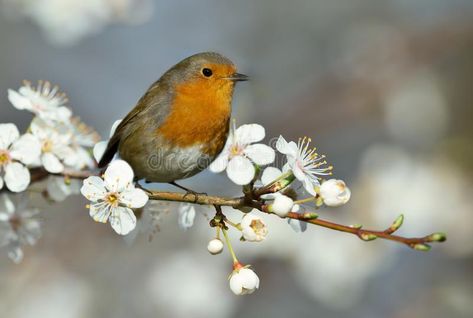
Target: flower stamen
{"type": "Point", "coordinates": [4, 158]}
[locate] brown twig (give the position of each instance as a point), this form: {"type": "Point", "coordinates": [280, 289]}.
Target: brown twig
{"type": "Point", "coordinates": [418, 243]}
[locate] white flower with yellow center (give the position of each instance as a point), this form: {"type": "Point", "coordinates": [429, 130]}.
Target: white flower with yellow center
{"type": "Point", "coordinates": [56, 148]}
{"type": "Point", "coordinates": [44, 101]}
{"type": "Point", "coordinates": [15, 153]}
{"type": "Point", "coordinates": [240, 154]}
{"type": "Point", "coordinates": [304, 162]}
{"type": "Point", "coordinates": [113, 197]}
{"type": "Point", "coordinates": [253, 227]}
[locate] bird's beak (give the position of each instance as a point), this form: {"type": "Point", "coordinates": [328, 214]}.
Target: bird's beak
{"type": "Point", "coordinates": [237, 77]}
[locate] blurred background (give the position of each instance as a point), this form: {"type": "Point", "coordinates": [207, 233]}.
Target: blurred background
{"type": "Point", "coordinates": [384, 88]}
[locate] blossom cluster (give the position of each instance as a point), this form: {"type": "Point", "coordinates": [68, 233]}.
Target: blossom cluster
{"type": "Point", "coordinates": [57, 143]}
{"type": "Point", "coordinates": [55, 140]}
{"type": "Point", "coordinates": [114, 196]}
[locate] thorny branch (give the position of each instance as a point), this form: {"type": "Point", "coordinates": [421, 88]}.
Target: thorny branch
{"type": "Point", "coordinates": [252, 200]}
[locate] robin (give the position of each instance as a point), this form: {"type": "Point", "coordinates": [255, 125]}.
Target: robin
{"type": "Point", "coordinates": [181, 123]}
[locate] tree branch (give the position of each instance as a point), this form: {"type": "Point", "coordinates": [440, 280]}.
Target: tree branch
{"type": "Point", "coordinates": [418, 243]}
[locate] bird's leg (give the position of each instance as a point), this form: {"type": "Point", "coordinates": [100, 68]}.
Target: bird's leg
{"type": "Point", "coordinates": [188, 191]}
{"type": "Point", "coordinates": [143, 188]}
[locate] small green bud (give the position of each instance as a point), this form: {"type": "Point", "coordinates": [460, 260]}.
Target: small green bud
{"type": "Point", "coordinates": [310, 215]}
{"type": "Point", "coordinates": [368, 237]}
{"type": "Point", "coordinates": [356, 226]}
{"type": "Point", "coordinates": [437, 237]}
{"type": "Point", "coordinates": [397, 223]}
{"type": "Point", "coordinates": [421, 247]}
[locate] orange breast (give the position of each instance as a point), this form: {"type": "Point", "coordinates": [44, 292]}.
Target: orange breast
{"type": "Point", "coordinates": [199, 114]}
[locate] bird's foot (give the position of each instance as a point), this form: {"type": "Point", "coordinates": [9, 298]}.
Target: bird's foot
{"type": "Point", "coordinates": [189, 191]}
{"type": "Point", "coordinates": [139, 186]}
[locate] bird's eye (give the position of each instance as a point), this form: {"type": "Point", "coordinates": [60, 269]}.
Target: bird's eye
{"type": "Point", "coordinates": [207, 72]}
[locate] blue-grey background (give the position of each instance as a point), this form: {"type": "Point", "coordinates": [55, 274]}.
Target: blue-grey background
{"type": "Point", "coordinates": [384, 88]}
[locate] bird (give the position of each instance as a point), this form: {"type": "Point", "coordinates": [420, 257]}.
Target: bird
{"type": "Point", "coordinates": [181, 124]}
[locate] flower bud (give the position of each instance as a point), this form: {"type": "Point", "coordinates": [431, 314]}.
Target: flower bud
{"type": "Point", "coordinates": [282, 205]}
{"type": "Point", "coordinates": [244, 281]}
{"type": "Point", "coordinates": [215, 247]}
{"type": "Point", "coordinates": [253, 228]}
{"type": "Point", "coordinates": [334, 192]}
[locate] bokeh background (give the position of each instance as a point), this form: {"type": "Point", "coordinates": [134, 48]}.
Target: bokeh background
{"type": "Point", "coordinates": [384, 88]}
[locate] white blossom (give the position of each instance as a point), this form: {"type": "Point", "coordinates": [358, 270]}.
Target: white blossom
{"type": "Point", "coordinates": [244, 281]}
{"type": "Point", "coordinates": [269, 175]}
{"type": "Point", "coordinates": [58, 189]}
{"type": "Point", "coordinates": [215, 246]}
{"type": "Point", "coordinates": [56, 147]}
{"type": "Point", "coordinates": [282, 205]}
{"type": "Point", "coordinates": [100, 147]}
{"type": "Point", "coordinates": [15, 153]}
{"type": "Point", "coordinates": [84, 135]}
{"type": "Point", "coordinates": [186, 216]}
{"type": "Point", "coordinates": [44, 101]}
{"type": "Point", "coordinates": [18, 226]}
{"type": "Point", "coordinates": [241, 153]}
{"type": "Point", "coordinates": [253, 228]}
{"type": "Point", "coordinates": [334, 192]}
{"type": "Point", "coordinates": [304, 162]}
{"type": "Point", "coordinates": [113, 197]}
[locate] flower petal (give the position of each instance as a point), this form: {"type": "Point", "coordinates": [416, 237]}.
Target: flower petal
{"type": "Point", "coordinates": [1, 183]}
{"type": "Point", "coordinates": [240, 170]}
{"type": "Point", "coordinates": [297, 171]}
{"type": "Point", "coordinates": [99, 150]}
{"type": "Point", "coordinates": [260, 154]}
{"type": "Point", "coordinates": [286, 148]}
{"type": "Point", "coordinates": [270, 174]}
{"type": "Point", "coordinates": [40, 128]}
{"type": "Point", "coordinates": [251, 280]}
{"type": "Point", "coordinates": [122, 220]}
{"type": "Point", "coordinates": [219, 164]}
{"type": "Point", "coordinates": [250, 133]}
{"type": "Point", "coordinates": [134, 198]}
{"type": "Point", "coordinates": [6, 205]}
{"type": "Point", "coordinates": [186, 216]}
{"type": "Point", "coordinates": [51, 163]}
{"type": "Point", "coordinates": [17, 177]}
{"type": "Point", "coordinates": [236, 284]}
{"type": "Point", "coordinates": [58, 189]}
{"type": "Point", "coordinates": [18, 101]}
{"type": "Point", "coordinates": [118, 176]}
{"type": "Point", "coordinates": [61, 114]}
{"type": "Point", "coordinates": [67, 154]}
{"type": "Point", "coordinates": [100, 212]}
{"type": "Point", "coordinates": [115, 126]}
{"type": "Point", "coordinates": [309, 186]}
{"type": "Point", "coordinates": [27, 149]}
{"type": "Point", "coordinates": [93, 189]}
{"type": "Point", "coordinates": [8, 134]}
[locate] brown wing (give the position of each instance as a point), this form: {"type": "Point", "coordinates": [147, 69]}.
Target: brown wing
{"type": "Point", "coordinates": [154, 103]}
{"type": "Point", "coordinates": [114, 142]}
